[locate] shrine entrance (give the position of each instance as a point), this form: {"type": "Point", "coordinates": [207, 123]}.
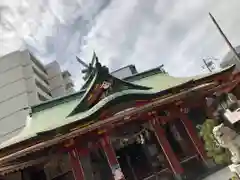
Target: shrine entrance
{"type": "Point", "coordinates": [139, 154]}
{"type": "Point", "coordinates": [174, 138]}
{"type": "Point", "coordinates": [133, 161]}
{"type": "Point", "coordinates": [99, 165]}
{"type": "Point", "coordinates": [184, 149]}
{"type": "Point", "coordinates": [141, 157]}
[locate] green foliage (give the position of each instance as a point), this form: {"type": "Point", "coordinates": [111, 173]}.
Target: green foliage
{"type": "Point", "coordinates": [214, 151]}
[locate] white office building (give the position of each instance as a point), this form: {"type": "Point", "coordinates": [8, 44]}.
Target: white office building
{"type": "Point", "coordinates": [230, 59]}
{"type": "Point", "coordinates": [125, 72]}
{"type": "Point", "coordinates": [25, 81]}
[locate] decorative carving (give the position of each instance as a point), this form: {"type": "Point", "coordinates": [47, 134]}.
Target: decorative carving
{"type": "Point", "coordinates": [229, 139]}
{"type": "Point", "coordinates": [101, 84]}
{"type": "Point", "coordinates": [105, 85]}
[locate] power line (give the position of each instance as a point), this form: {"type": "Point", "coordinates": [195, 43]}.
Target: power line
{"type": "Point", "coordinates": [225, 38]}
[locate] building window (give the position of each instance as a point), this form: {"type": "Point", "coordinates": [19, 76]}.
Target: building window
{"type": "Point", "coordinates": [66, 74]}
{"type": "Point", "coordinates": [69, 85]}
{"type": "Point", "coordinates": [41, 98]}
{"type": "Point", "coordinates": [40, 75]}
{"type": "Point", "coordinates": [42, 87]}
{"type": "Point", "coordinates": [37, 63]}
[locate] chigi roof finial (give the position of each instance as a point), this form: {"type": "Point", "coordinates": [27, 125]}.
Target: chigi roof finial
{"type": "Point", "coordinates": [88, 68]}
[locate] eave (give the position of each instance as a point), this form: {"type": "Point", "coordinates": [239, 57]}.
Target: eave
{"type": "Point", "coordinates": [162, 97]}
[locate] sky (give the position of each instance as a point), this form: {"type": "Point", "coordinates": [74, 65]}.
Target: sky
{"type": "Point", "coordinates": [147, 33]}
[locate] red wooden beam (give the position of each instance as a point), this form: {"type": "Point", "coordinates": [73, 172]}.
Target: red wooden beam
{"type": "Point", "coordinates": [192, 133]}
{"type": "Point", "coordinates": [111, 157]}
{"type": "Point", "coordinates": [174, 163]}
{"type": "Point", "coordinates": [76, 165]}
{"type": "Point", "coordinates": [230, 88]}
{"type": "Point", "coordinates": [142, 102]}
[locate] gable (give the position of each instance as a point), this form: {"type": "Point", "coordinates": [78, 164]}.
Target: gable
{"type": "Point", "coordinates": [102, 85]}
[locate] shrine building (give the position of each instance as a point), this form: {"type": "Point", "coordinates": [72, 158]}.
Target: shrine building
{"type": "Point", "coordinates": [138, 128]}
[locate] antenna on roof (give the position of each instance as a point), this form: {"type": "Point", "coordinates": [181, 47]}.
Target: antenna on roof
{"type": "Point", "coordinates": [209, 63]}
{"type": "Point", "coordinates": [225, 37]}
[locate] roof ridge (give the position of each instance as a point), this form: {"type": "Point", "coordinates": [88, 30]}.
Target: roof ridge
{"type": "Point", "coordinates": [130, 65]}
{"type": "Point", "coordinates": [58, 100]}
{"type": "Point", "coordinates": [148, 72]}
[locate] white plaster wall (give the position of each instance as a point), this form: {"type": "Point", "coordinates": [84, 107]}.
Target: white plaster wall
{"type": "Point", "coordinates": [56, 82]}
{"type": "Point", "coordinates": [13, 93]}
{"type": "Point", "coordinates": [13, 116]}
{"type": "Point", "coordinates": [32, 91]}
{"type": "Point", "coordinates": [13, 124]}
{"type": "Point", "coordinates": [67, 80]}
{"type": "Point", "coordinates": [12, 90]}
{"type": "Point", "coordinates": [59, 91]}
{"type": "Point", "coordinates": [18, 89]}
{"type": "Point", "coordinates": [10, 61]}
{"type": "Point", "coordinates": [53, 69]}
{"type": "Point", "coordinates": [13, 105]}
{"type": "Point", "coordinates": [10, 76]}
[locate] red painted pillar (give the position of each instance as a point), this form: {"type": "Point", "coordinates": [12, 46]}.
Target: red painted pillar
{"type": "Point", "coordinates": [76, 164]}
{"type": "Point", "coordinates": [112, 158]}
{"type": "Point", "coordinates": [166, 147]}
{"type": "Point", "coordinates": [192, 133]}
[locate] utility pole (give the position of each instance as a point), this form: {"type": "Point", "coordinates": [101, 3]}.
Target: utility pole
{"type": "Point", "coordinates": [225, 38]}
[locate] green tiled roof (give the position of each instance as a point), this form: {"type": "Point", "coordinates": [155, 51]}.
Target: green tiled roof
{"type": "Point", "coordinates": [54, 114]}
{"type": "Point", "coordinates": [39, 121]}
{"type": "Point", "coordinates": [94, 109]}
{"type": "Point", "coordinates": [160, 82]}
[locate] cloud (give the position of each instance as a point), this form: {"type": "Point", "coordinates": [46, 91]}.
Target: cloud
{"type": "Point", "coordinates": [177, 34]}
{"type": "Point", "coordinates": [148, 33]}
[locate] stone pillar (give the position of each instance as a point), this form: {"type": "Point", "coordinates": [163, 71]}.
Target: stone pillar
{"type": "Point", "coordinates": [111, 158]}
{"type": "Point", "coordinates": [167, 149]}
{"type": "Point", "coordinates": [77, 168]}
{"type": "Point", "coordinates": [192, 133]}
